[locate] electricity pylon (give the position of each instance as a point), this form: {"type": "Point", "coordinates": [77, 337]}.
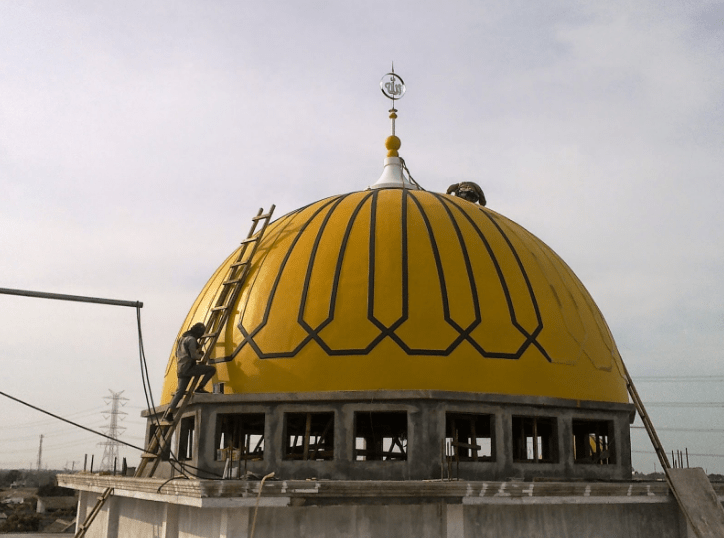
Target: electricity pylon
{"type": "Point", "coordinates": [110, 452]}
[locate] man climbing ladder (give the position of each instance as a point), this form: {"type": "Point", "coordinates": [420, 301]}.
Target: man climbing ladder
{"type": "Point", "coordinates": [199, 345]}
{"type": "Point", "coordinates": [188, 355]}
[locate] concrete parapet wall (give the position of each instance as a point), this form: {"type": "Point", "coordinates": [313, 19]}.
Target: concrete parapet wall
{"type": "Point", "coordinates": [361, 509]}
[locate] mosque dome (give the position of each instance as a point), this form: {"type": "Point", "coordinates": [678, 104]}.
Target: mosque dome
{"type": "Point", "coordinates": [398, 289]}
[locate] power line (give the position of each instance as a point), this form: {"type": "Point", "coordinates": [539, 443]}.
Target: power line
{"type": "Point", "coordinates": [60, 429]}
{"type": "Point", "coordinates": [44, 422]}
{"type": "Point", "coordinates": [680, 379]}
{"type": "Point", "coordinates": [681, 429]}
{"type": "Point", "coordinates": [685, 404]}
{"type": "Point", "coordinates": [690, 454]}
{"type": "Point", "coordinates": [68, 421]}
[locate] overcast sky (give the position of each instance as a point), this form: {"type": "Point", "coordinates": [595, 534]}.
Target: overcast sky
{"type": "Point", "coordinates": [138, 138]}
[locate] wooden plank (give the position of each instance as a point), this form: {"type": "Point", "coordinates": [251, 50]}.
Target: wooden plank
{"type": "Point", "coordinates": [307, 432]}
{"type": "Point", "coordinates": [455, 443]}
{"type": "Point", "coordinates": [473, 438]}
{"type": "Point", "coordinates": [322, 437]}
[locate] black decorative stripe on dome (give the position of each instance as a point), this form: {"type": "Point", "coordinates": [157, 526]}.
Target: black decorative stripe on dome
{"type": "Point", "coordinates": [452, 207]}
{"type": "Point", "coordinates": [314, 332]}
{"type": "Point", "coordinates": [249, 337]}
{"type": "Point", "coordinates": [471, 277]}
{"type": "Point", "coordinates": [530, 336]}
{"type": "Point", "coordinates": [387, 331]}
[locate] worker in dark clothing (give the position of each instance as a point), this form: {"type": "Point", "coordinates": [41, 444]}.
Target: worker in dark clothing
{"type": "Point", "coordinates": [467, 190]}
{"type": "Point", "coordinates": [188, 354]}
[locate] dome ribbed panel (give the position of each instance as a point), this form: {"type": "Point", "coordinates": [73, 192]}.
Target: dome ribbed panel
{"type": "Point", "coordinates": [394, 290]}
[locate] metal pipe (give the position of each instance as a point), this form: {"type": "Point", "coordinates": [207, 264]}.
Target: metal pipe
{"type": "Point", "coordinates": [76, 298]}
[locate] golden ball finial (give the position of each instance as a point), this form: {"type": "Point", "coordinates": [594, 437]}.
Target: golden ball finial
{"type": "Point", "coordinates": [393, 144]}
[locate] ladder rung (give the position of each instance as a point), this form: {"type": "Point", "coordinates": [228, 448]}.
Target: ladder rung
{"type": "Point", "coordinates": [231, 282]}
{"type": "Point", "coordinates": [214, 317]}
{"type": "Point", "coordinates": [239, 264]}
{"type": "Point", "coordinates": [217, 308]}
{"type": "Point", "coordinates": [210, 335]}
{"type": "Point", "coordinates": [249, 240]}
{"type": "Point", "coordinates": [149, 455]}
{"type": "Point", "coordinates": [164, 424]}
{"type": "Point", "coordinates": [261, 217]}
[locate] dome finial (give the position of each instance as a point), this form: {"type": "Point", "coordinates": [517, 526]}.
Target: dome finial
{"type": "Point", "coordinates": [393, 87]}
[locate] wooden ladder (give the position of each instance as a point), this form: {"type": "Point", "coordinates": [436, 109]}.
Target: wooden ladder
{"type": "Point", "coordinates": [702, 510]}
{"type": "Point", "coordinates": [641, 410]}
{"type": "Point", "coordinates": [160, 441]}
{"type": "Point", "coordinates": [83, 527]}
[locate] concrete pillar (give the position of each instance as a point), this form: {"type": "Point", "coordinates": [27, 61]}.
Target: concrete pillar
{"type": "Point", "coordinates": [105, 523]}
{"type": "Point", "coordinates": [169, 527]}
{"type": "Point", "coordinates": [82, 511]}
{"type": "Point", "coordinates": [427, 428]}
{"type": "Point", "coordinates": [110, 511]}
{"type": "Point", "coordinates": [565, 443]}
{"type": "Point", "coordinates": [454, 523]}
{"type": "Point", "coordinates": [274, 438]}
{"type": "Point", "coordinates": [622, 446]}
{"type": "Point", "coordinates": [344, 435]}
{"type": "Point", "coordinates": [235, 523]}
{"type": "Point", "coordinates": [204, 432]}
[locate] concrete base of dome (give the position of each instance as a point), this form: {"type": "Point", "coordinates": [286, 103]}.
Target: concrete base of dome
{"type": "Point", "coordinates": [518, 437]}
{"type": "Point", "coordinates": [434, 509]}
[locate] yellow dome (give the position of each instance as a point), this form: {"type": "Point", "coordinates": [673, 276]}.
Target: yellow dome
{"type": "Point", "coordinates": [395, 289]}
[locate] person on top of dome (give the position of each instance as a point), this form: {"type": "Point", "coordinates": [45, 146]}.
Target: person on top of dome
{"type": "Point", "coordinates": [188, 353]}
{"type": "Point", "coordinates": [467, 190]}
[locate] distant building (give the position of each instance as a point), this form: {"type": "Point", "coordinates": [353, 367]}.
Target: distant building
{"type": "Point", "coordinates": [52, 504]}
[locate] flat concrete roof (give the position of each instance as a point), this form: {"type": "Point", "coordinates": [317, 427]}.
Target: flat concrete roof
{"type": "Point", "coordinates": [232, 492]}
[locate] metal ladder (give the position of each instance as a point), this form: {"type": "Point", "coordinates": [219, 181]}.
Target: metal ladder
{"type": "Point", "coordinates": [160, 441]}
